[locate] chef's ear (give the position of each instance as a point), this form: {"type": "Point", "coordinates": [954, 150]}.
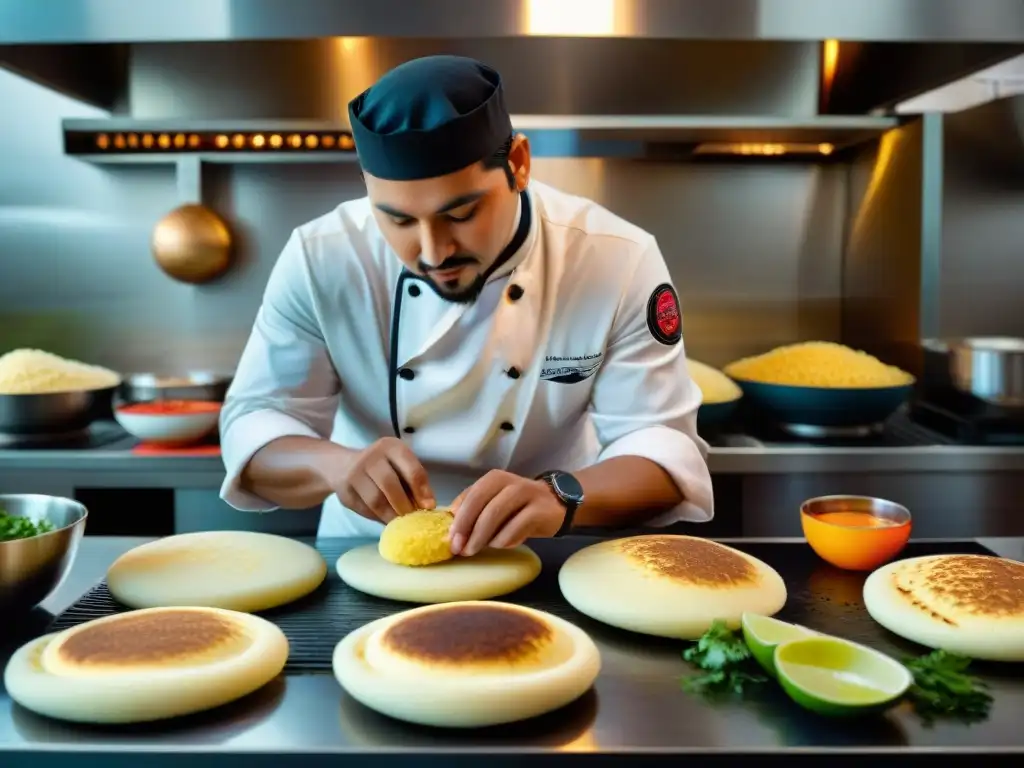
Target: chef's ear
{"type": "Point", "coordinates": [519, 161]}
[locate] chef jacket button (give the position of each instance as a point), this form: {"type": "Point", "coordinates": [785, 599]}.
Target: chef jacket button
{"type": "Point", "coordinates": [515, 292]}
{"type": "Point", "coordinates": [508, 426]}
{"type": "Point", "coordinates": [409, 430]}
{"type": "Point", "coordinates": [513, 372]}
{"type": "Point", "coordinates": [414, 290]}
{"type": "Point", "coordinates": [407, 373]}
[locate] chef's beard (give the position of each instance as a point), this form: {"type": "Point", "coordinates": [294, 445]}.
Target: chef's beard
{"type": "Point", "coordinates": [456, 294]}
{"type": "Point", "coordinates": [465, 295]}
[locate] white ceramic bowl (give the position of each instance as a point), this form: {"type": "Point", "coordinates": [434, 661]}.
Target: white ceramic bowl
{"type": "Point", "coordinates": [169, 428]}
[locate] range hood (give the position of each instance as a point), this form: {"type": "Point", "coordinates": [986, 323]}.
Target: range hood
{"type": "Point", "coordinates": [131, 21]}
{"type": "Point", "coordinates": [269, 80]}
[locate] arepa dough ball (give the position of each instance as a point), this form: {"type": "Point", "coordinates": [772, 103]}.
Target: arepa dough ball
{"type": "Point", "coordinates": [418, 538]}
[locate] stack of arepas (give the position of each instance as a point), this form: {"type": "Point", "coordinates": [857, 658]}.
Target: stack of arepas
{"type": "Point", "coordinates": [146, 665]}
{"type": "Point", "coordinates": [971, 605]}
{"type": "Point", "coordinates": [190, 643]}
{"type": "Point", "coordinates": [413, 563]}
{"type": "Point", "coordinates": [669, 586]}
{"type": "Point", "coordinates": [467, 664]}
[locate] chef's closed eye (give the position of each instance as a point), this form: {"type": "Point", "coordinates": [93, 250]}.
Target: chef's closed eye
{"type": "Point", "coordinates": [460, 215]}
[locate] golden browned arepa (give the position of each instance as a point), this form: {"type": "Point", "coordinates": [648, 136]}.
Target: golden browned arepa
{"type": "Point", "coordinates": [466, 664]}
{"type": "Point", "coordinates": [236, 570]}
{"type": "Point", "coordinates": [669, 586]}
{"type": "Point", "coordinates": [967, 604]}
{"type": "Point", "coordinates": [432, 579]}
{"type": "Point", "coordinates": [146, 665]}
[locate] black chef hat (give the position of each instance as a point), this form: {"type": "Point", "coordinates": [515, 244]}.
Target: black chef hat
{"type": "Point", "coordinates": [429, 117]}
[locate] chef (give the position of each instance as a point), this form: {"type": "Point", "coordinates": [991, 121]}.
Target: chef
{"type": "Point", "coordinates": [465, 335]}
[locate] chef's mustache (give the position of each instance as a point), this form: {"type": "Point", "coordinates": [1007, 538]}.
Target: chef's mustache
{"type": "Point", "coordinates": [452, 262]}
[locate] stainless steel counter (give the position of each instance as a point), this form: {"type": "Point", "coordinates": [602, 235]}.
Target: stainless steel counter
{"type": "Point", "coordinates": [637, 714]}
{"type": "Point", "coordinates": [954, 491]}
{"type": "Point", "coordinates": [115, 466]}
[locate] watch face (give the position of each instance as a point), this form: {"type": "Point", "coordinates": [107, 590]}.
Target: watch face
{"type": "Point", "coordinates": [567, 486]}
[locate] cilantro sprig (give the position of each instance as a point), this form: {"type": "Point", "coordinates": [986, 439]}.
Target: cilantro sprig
{"type": "Point", "coordinates": [725, 661]}
{"type": "Point", "coordinates": [943, 689]}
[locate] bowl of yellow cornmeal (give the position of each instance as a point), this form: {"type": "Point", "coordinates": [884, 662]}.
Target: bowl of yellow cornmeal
{"type": "Point", "coordinates": [822, 384]}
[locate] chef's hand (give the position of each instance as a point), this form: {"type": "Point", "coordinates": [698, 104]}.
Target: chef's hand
{"type": "Point", "coordinates": [384, 480]}
{"type": "Point", "coordinates": [503, 510]}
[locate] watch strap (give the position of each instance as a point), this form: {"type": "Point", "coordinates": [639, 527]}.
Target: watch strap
{"type": "Point", "coordinates": [570, 504]}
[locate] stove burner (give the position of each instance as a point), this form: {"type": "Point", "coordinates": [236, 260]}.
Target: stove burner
{"type": "Point", "coordinates": [815, 432]}
{"type": "Point", "coordinates": [968, 421]}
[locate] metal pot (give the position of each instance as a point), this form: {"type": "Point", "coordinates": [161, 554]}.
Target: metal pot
{"type": "Point", "coordinates": [990, 368]}
{"type": "Point", "coordinates": [53, 413]}
{"type": "Point", "coordinates": [196, 385]}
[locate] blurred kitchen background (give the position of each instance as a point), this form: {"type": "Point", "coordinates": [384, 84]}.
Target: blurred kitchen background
{"type": "Point", "coordinates": [837, 171]}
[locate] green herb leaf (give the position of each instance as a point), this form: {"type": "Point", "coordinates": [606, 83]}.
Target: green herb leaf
{"type": "Point", "coordinates": [12, 527]}
{"type": "Point", "coordinates": [726, 661]}
{"type": "Point", "coordinates": [942, 689]}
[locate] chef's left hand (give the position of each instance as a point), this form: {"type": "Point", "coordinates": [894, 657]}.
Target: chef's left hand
{"type": "Point", "coordinates": [503, 510]}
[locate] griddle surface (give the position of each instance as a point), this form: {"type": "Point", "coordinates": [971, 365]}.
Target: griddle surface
{"type": "Point", "coordinates": [820, 596]}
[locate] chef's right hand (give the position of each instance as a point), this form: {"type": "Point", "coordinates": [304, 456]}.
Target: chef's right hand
{"type": "Point", "coordinates": [384, 480]}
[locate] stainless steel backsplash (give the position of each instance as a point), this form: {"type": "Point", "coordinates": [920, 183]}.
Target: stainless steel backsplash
{"type": "Point", "coordinates": [982, 268]}
{"type": "Point", "coordinates": [754, 247]}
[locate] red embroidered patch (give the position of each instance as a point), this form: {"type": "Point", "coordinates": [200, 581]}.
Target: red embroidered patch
{"type": "Point", "coordinates": [663, 316]}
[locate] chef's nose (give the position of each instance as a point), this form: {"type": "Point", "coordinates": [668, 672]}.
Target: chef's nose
{"type": "Point", "coordinates": [435, 246]}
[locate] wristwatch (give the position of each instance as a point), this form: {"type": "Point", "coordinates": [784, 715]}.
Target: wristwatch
{"type": "Point", "coordinates": [568, 490]}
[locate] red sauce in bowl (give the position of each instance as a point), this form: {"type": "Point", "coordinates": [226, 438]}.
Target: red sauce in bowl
{"type": "Point", "coordinates": [170, 407]}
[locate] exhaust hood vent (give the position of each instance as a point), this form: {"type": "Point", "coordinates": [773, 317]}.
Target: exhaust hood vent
{"type": "Point", "coordinates": [131, 21]}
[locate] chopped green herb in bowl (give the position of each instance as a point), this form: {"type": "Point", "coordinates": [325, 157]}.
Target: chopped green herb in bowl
{"type": "Point", "coordinates": [12, 527]}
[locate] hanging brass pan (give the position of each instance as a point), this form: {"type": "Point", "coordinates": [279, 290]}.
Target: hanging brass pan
{"type": "Point", "coordinates": [192, 244]}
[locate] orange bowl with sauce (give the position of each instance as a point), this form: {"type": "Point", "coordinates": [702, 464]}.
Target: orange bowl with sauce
{"type": "Point", "coordinates": [856, 533]}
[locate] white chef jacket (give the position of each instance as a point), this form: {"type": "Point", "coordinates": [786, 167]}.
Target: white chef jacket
{"type": "Point", "coordinates": [349, 345]}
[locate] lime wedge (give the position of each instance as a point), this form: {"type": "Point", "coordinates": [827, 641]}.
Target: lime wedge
{"type": "Point", "coordinates": [763, 634]}
{"type": "Point", "coordinates": [832, 676]}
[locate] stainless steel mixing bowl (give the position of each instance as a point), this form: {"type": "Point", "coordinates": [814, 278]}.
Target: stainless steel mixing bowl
{"type": "Point", "coordinates": [193, 385]}
{"type": "Point", "coordinates": [31, 569]}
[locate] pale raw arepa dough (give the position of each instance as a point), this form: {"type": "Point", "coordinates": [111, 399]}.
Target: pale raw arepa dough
{"type": "Point", "coordinates": [972, 605]}
{"type": "Point", "coordinates": [669, 586]}
{"type": "Point", "coordinates": [467, 664]}
{"type": "Point", "coordinates": [237, 570]}
{"type": "Point", "coordinates": [489, 573]}
{"type": "Point", "coordinates": [417, 538]}
{"type": "Point", "coordinates": [146, 665]}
